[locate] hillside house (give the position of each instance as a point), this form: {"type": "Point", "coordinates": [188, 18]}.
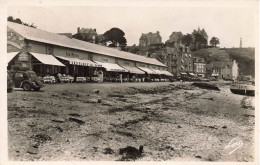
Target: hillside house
{"type": "Point", "coordinates": [225, 70]}
{"type": "Point", "coordinates": [150, 39]}
{"type": "Point", "coordinates": [199, 66]}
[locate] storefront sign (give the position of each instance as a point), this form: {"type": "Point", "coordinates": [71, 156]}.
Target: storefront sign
{"type": "Point", "coordinates": [104, 60]}
{"type": "Point", "coordinates": [71, 54]}
{"type": "Point", "coordinates": [126, 63]}
{"type": "Point", "coordinates": [23, 57]}
{"type": "Point", "coordinates": [142, 65]}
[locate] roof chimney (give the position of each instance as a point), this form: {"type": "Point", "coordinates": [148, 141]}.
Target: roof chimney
{"type": "Point", "coordinates": [95, 30]}
{"type": "Point", "coordinates": [78, 29]}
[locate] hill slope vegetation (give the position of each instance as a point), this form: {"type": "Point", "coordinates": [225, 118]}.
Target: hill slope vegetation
{"type": "Point", "coordinates": [245, 57]}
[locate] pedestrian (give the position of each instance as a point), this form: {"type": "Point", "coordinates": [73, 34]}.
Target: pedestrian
{"type": "Point", "coordinates": [121, 77]}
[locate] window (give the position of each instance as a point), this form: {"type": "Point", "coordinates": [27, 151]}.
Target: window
{"type": "Point", "coordinates": [18, 75]}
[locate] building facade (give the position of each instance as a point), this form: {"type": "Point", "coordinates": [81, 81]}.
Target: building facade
{"type": "Point", "coordinates": [179, 60]}
{"type": "Point", "coordinates": [89, 34]}
{"type": "Point", "coordinates": [199, 66]}
{"type": "Point", "coordinates": [50, 53]}
{"type": "Point", "coordinates": [202, 32]}
{"type": "Point", "coordinates": [150, 39]}
{"type": "Point", "coordinates": [225, 70]}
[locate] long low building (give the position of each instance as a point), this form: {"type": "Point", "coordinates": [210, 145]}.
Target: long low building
{"type": "Point", "coordinates": [48, 53]}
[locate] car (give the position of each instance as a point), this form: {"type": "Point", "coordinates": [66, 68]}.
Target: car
{"type": "Point", "coordinates": [26, 79]}
{"type": "Point", "coordinates": [10, 83]}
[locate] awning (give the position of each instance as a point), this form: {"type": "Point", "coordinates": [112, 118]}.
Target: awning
{"type": "Point", "coordinates": [112, 67]}
{"type": "Point", "coordinates": [183, 73]}
{"type": "Point", "coordinates": [191, 74]}
{"type": "Point", "coordinates": [134, 70]}
{"type": "Point", "coordinates": [157, 71]}
{"type": "Point", "coordinates": [164, 72]}
{"type": "Point", "coordinates": [11, 55]}
{"type": "Point", "coordinates": [47, 59]}
{"type": "Point", "coordinates": [214, 74]}
{"type": "Point", "coordinates": [77, 61]}
{"type": "Point", "coordinates": [147, 70]}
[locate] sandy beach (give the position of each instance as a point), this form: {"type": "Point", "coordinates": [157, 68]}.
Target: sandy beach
{"type": "Point", "coordinates": [173, 121]}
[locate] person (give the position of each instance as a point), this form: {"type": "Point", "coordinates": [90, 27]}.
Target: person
{"type": "Point", "coordinates": [59, 77]}
{"type": "Point", "coordinates": [121, 78]}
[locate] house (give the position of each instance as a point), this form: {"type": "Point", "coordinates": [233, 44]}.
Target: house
{"type": "Point", "coordinates": [202, 32]}
{"type": "Point", "coordinates": [150, 39]}
{"type": "Point", "coordinates": [89, 34]}
{"type": "Point", "coordinates": [225, 70]}
{"type": "Point", "coordinates": [199, 66]}
{"type": "Point", "coordinates": [185, 62]}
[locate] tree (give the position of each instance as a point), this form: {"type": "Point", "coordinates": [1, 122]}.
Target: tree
{"type": "Point", "coordinates": [19, 21]}
{"type": "Point", "coordinates": [199, 41]}
{"type": "Point", "coordinates": [116, 37]}
{"type": "Point", "coordinates": [186, 39]}
{"type": "Point", "coordinates": [100, 39]}
{"type": "Point", "coordinates": [214, 41]}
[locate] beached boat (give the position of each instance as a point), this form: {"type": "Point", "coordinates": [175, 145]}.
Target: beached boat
{"type": "Point", "coordinates": [243, 88]}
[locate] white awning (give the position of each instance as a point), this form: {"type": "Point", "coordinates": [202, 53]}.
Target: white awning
{"type": "Point", "coordinates": [11, 55]}
{"type": "Point", "coordinates": [191, 74]}
{"type": "Point", "coordinates": [183, 73]}
{"type": "Point", "coordinates": [147, 70]}
{"type": "Point", "coordinates": [112, 67]}
{"type": "Point", "coordinates": [157, 71]}
{"type": "Point", "coordinates": [134, 70]}
{"type": "Point", "coordinates": [214, 74]}
{"type": "Point", "coordinates": [166, 73]}
{"type": "Point", "coordinates": [47, 59]}
{"type": "Point", "coordinates": [77, 61]}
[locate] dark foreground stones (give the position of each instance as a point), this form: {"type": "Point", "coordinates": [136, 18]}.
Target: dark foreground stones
{"type": "Point", "coordinates": [206, 86]}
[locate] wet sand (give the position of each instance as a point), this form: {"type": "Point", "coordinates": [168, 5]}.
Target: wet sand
{"type": "Point", "coordinates": [173, 121]}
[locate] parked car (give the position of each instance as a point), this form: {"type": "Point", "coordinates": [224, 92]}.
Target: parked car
{"type": "Point", "coordinates": [26, 79]}
{"type": "Point", "coordinates": [10, 83]}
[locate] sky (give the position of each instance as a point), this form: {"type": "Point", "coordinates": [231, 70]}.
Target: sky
{"type": "Point", "coordinates": [228, 22]}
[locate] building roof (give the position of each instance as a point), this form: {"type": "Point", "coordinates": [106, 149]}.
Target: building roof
{"type": "Point", "coordinates": [87, 30]}
{"type": "Point", "coordinates": [199, 60]}
{"type": "Point", "coordinates": [221, 64]}
{"type": "Point", "coordinates": [38, 35]}
{"type": "Point", "coordinates": [150, 34]}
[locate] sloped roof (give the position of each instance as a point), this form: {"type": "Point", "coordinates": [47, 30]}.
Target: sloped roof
{"type": "Point", "coordinates": [87, 30]}
{"type": "Point", "coordinates": [221, 64]}
{"type": "Point", "coordinates": [150, 34]}
{"type": "Point", "coordinates": [60, 40]}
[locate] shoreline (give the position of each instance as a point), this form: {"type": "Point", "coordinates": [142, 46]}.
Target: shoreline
{"type": "Point", "coordinates": [173, 121]}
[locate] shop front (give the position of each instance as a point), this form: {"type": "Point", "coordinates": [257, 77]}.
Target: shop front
{"type": "Point", "coordinates": [112, 72]}
{"type": "Point", "coordinates": [134, 74]}
{"type": "Point", "coordinates": [149, 74]}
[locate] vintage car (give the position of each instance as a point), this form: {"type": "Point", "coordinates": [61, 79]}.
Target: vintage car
{"type": "Point", "coordinates": [26, 79]}
{"type": "Point", "coordinates": [10, 83]}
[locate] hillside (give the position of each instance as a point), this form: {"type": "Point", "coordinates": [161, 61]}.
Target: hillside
{"type": "Point", "coordinates": [245, 57]}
